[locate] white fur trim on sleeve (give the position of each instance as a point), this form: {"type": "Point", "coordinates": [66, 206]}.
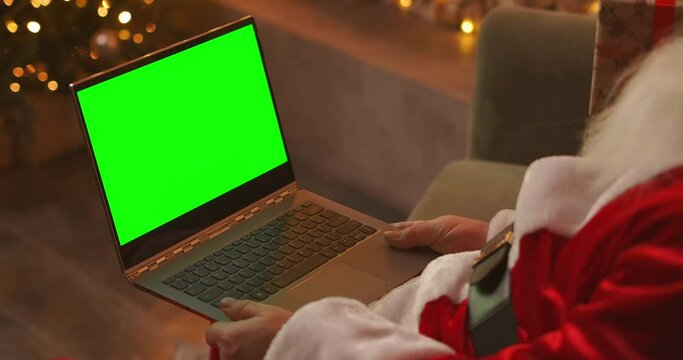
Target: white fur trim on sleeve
{"type": "Point", "coordinates": [502, 219]}
{"type": "Point", "coordinates": [339, 328]}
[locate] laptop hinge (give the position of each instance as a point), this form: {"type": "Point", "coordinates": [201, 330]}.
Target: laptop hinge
{"type": "Point", "coordinates": [210, 232]}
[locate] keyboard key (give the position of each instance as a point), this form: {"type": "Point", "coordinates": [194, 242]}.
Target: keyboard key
{"type": "Point", "coordinates": [247, 273]}
{"type": "Point", "coordinates": [212, 266]}
{"type": "Point", "coordinates": [301, 217]}
{"type": "Point", "coordinates": [209, 258]}
{"type": "Point", "coordinates": [189, 269]}
{"type": "Point", "coordinates": [292, 222]}
{"type": "Point", "coordinates": [337, 221]}
{"type": "Point", "coordinates": [282, 218]}
{"type": "Point", "coordinates": [357, 235]}
{"type": "Point", "coordinates": [218, 253]}
{"type": "Point", "coordinates": [267, 261]}
{"type": "Point", "coordinates": [333, 236]}
{"type": "Point", "coordinates": [270, 289]}
{"type": "Point", "coordinates": [243, 249]}
{"type": "Point", "coordinates": [348, 242]}
{"type": "Point", "coordinates": [306, 204]}
{"type": "Point", "coordinates": [369, 230]}
{"type": "Point", "coordinates": [338, 247]}
{"type": "Point", "coordinates": [314, 247]}
{"type": "Point", "coordinates": [195, 289]}
{"type": "Point", "coordinates": [240, 241]}
{"type": "Point", "coordinates": [306, 238]}
{"type": "Point", "coordinates": [296, 258]}
{"type": "Point", "coordinates": [296, 244]}
{"type": "Point", "coordinates": [273, 223]}
{"type": "Point", "coordinates": [228, 247]}
{"type": "Point", "coordinates": [271, 246]}
{"type": "Point", "coordinates": [179, 284]}
{"type": "Point", "coordinates": [240, 263]}
{"type": "Point", "coordinates": [191, 278]}
{"type": "Point", "coordinates": [273, 232]}
{"type": "Point", "coordinates": [259, 295]}
{"type": "Point", "coordinates": [199, 264]}
{"type": "Point", "coordinates": [253, 243]}
{"type": "Point", "coordinates": [255, 282]}
{"type": "Point", "coordinates": [348, 227]}
{"type": "Point", "coordinates": [315, 233]}
{"type": "Point", "coordinates": [263, 237]}
{"type": "Point", "coordinates": [265, 276]}
{"type": "Point", "coordinates": [309, 225]}
{"type": "Point", "coordinates": [245, 288]}
{"type": "Point", "coordinates": [210, 294]}
{"type": "Point", "coordinates": [328, 253]}
{"type": "Point", "coordinates": [223, 260]}
{"type": "Point", "coordinates": [261, 252]}
{"type": "Point", "coordinates": [226, 285]}
{"type": "Point", "coordinates": [236, 279]}
{"type": "Point", "coordinates": [263, 228]}
{"type": "Point", "coordinates": [254, 233]}
{"type": "Point", "coordinates": [287, 250]}
{"type": "Point", "coordinates": [277, 256]}
{"type": "Point", "coordinates": [318, 219]}
{"type": "Point", "coordinates": [283, 227]}
{"type": "Point", "coordinates": [231, 269]}
{"type": "Point", "coordinates": [323, 242]}
{"type": "Point", "coordinates": [276, 270]}
{"type": "Point", "coordinates": [325, 228]}
{"type": "Point", "coordinates": [312, 210]}
{"type": "Point", "coordinates": [329, 214]}
{"type": "Point", "coordinates": [290, 235]}
{"type": "Point", "coordinates": [300, 230]}
{"type": "Point", "coordinates": [299, 270]}
{"type": "Point", "coordinates": [201, 272]}
{"type": "Point", "coordinates": [245, 237]}
{"type": "Point", "coordinates": [281, 240]}
{"type": "Point", "coordinates": [209, 281]}
{"type": "Point", "coordinates": [290, 213]}
{"type": "Point", "coordinates": [305, 252]}
{"type": "Point", "coordinates": [285, 264]}
{"type": "Point", "coordinates": [179, 274]}
{"type": "Point", "coordinates": [169, 280]}
{"type": "Point", "coordinates": [257, 267]}
{"type": "Point", "coordinates": [233, 254]}
{"type": "Point", "coordinates": [220, 275]}
{"type": "Point", "coordinates": [251, 258]}
{"type": "Point", "coordinates": [233, 294]}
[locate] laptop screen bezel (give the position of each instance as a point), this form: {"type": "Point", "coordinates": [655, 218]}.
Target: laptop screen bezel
{"type": "Point", "coordinates": [171, 233]}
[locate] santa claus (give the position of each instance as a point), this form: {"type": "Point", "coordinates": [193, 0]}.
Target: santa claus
{"type": "Point", "coordinates": [594, 269]}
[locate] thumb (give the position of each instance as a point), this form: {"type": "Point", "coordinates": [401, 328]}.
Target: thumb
{"type": "Point", "coordinates": [411, 234]}
{"type": "Point", "coordinates": [242, 309]}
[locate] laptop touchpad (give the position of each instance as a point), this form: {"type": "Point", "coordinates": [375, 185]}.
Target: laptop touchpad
{"type": "Point", "coordinates": [339, 279]}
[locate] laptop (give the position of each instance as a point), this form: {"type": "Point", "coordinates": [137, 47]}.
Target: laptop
{"type": "Point", "coordinates": [199, 190]}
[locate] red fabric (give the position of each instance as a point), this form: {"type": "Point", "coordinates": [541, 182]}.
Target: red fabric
{"type": "Point", "coordinates": [614, 290]}
{"type": "Point", "coordinates": [663, 20]}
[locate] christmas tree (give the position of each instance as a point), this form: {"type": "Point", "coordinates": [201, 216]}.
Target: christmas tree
{"type": "Point", "coordinates": [47, 44]}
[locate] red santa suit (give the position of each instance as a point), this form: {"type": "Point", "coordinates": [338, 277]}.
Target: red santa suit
{"type": "Point", "coordinates": [595, 273]}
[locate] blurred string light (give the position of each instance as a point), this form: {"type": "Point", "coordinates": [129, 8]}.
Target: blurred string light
{"type": "Point", "coordinates": [15, 87]}
{"type": "Point", "coordinates": [52, 85]}
{"type": "Point", "coordinates": [45, 2]}
{"type": "Point", "coordinates": [148, 2]}
{"type": "Point", "coordinates": [18, 72]}
{"type": "Point", "coordinates": [124, 17]}
{"type": "Point", "coordinates": [11, 26]}
{"type": "Point", "coordinates": [594, 8]}
{"type": "Point", "coordinates": [106, 4]}
{"type": "Point", "coordinates": [137, 38]}
{"type": "Point", "coordinates": [467, 26]}
{"type": "Point", "coordinates": [151, 27]}
{"type": "Point", "coordinates": [124, 35]}
{"type": "Point", "coordinates": [42, 76]}
{"type": "Point", "coordinates": [94, 55]}
{"type": "Point", "coordinates": [102, 11]}
{"type": "Point", "coordinates": [405, 4]}
{"type": "Point", "coordinates": [35, 3]}
{"type": "Point", "coordinates": [30, 69]}
{"type": "Point", "coordinates": [33, 26]}
{"type": "Point", "coordinates": [8, 2]}
{"type": "Point", "coordinates": [81, 3]}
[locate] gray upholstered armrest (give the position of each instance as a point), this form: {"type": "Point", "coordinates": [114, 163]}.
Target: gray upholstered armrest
{"type": "Point", "coordinates": [532, 84]}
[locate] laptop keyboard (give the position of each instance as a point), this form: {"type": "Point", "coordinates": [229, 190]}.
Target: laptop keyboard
{"type": "Point", "coordinates": [271, 257]}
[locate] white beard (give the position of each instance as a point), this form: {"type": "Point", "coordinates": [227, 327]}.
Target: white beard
{"type": "Point", "coordinates": [644, 126]}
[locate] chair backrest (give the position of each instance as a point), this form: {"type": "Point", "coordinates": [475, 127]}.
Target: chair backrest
{"type": "Point", "coordinates": [532, 84]}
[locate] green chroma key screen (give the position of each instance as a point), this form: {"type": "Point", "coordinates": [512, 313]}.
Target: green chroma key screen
{"type": "Point", "coordinates": [178, 132]}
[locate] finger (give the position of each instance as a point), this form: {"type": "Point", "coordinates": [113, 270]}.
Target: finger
{"type": "Point", "coordinates": [242, 309]}
{"type": "Point", "coordinates": [419, 233]}
{"type": "Point", "coordinates": [403, 224]}
{"type": "Point", "coordinates": [216, 332]}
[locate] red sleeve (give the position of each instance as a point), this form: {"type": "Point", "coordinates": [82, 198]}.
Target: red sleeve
{"type": "Point", "coordinates": [634, 312]}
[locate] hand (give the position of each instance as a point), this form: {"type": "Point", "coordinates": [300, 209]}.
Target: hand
{"type": "Point", "coordinates": [249, 335]}
{"type": "Point", "coordinates": [445, 234]}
